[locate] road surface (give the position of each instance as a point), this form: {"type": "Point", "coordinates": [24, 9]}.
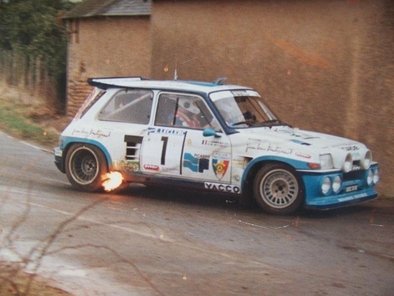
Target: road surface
{"type": "Point", "coordinates": [146, 241]}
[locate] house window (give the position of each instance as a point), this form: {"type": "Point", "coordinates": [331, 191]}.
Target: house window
{"type": "Point", "coordinates": [131, 106]}
{"type": "Point", "coordinates": [73, 30]}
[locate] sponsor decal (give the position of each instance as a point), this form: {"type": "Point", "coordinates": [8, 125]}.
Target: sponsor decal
{"type": "Point", "coordinates": [272, 148]}
{"type": "Point", "coordinates": [350, 148]}
{"type": "Point", "coordinates": [303, 155]}
{"type": "Point", "coordinates": [240, 93]}
{"type": "Point", "coordinates": [356, 196]}
{"type": "Point", "coordinates": [215, 143]}
{"type": "Point", "coordinates": [129, 166]}
{"type": "Point", "coordinates": [351, 188]}
{"type": "Point", "coordinates": [151, 167]}
{"type": "Point", "coordinates": [196, 162]}
{"type": "Point", "coordinates": [239, 163]}
{"type": "Point", "coordinates": [296, 133]}
{"type": "Point", "coordinates": [300, 142]}
{"type": "Point", "coordinates": [222, 187]}
{"type": "Point", "coordinates": [267, 147]}
{"type": "Point", "coordinates": [92, 133]}
{"type": "Point", "coordinates": [220, 167]}
{"type": "Point", "coordinates": [166, 131]}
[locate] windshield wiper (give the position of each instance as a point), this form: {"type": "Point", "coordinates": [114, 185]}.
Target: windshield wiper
{"type": "Point", "coordinates": [252, 122]}
{"type": "Point", "coordinates": [272, 122]}
{"type": "Point", "coordinates": [249, 122]}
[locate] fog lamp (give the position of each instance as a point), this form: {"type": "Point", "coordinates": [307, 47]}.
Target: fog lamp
{"type": "Point", "coordinates": [370, 177]}
{"type": "Point", "coordinates": [326, 185]}
{"type": "Point", "coordinates": [336, 184]}
{"type": "Point", "coordinates": [376, 176]}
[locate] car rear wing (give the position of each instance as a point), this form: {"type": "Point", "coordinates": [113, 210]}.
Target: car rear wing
{"type": "Point", "coordinates": [107, 82]}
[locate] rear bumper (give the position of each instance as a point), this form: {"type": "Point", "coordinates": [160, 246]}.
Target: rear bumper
{"type": "Point", "coordinates": [59, 162]}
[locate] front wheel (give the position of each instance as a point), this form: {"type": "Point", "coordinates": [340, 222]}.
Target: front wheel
{"type": "Point", "coordinates": [277, 189]}
{"type": "Point", "coordinates": [85, 167]}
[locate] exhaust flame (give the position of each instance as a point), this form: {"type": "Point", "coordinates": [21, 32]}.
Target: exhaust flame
{"type": "Point", "coordinates": [112, 180]}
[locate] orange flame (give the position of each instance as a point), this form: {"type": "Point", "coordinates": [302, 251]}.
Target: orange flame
{"type": "Point", "coordinates": [112, 180]}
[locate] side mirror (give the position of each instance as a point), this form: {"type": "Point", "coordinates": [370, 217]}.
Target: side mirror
{"type": "Point", "coordinates": [210, 132]}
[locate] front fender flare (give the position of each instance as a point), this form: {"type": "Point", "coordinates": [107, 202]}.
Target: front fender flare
{"type": "Point", "coordinates": [259, 161]}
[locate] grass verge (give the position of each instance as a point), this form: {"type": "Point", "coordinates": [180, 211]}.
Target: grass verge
{"type": "Point", "coordinates": [32, 122]}
{"type": "Point", "coordinates": [15, 120]}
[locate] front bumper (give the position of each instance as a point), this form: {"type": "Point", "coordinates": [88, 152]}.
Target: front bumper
{"type": "Point", "coordinates": [59, 162]}
{"type": "Point", "coordinates": [354, 189]}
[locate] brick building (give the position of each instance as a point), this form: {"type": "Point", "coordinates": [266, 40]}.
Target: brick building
{"type": "Point", "coordinates": [322, 65]}
{"type": "Point", "coordinates": [106, 38]}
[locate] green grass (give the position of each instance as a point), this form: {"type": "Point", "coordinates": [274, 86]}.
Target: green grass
{"type": "Point", "coordinates": [15, 122]}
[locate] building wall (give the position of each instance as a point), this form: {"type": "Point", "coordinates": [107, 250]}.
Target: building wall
{"type": "Point", "coordinates": [117, 46]}
{"type": "Point", "coordinates": [322, 65]}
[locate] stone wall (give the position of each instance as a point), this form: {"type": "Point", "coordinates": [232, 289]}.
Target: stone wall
{"type": "Point", "coordinates": [111, 46]}
{"type": "Point", "coordinates": [322, 65]}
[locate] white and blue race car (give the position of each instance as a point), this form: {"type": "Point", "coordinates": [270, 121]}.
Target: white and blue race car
{"type": "Point", "coordinates": [209, 136]}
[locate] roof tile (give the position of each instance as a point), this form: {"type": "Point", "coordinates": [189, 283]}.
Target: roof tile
{"type": "Point", "coordinates": [92, 8]}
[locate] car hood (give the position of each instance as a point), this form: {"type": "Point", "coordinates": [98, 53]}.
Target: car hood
{"type": "Point", "coordinates": [315, 139]}
{"type": "Point", "coordinates": [301, 144]}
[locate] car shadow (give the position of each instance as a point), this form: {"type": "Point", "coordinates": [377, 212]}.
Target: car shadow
{"type": "Point", "coordinates": [228, 202]}
{"type": "Point", "coordinates": [187, 196]}
{"type": "Point", "coordinates": [333, 213]}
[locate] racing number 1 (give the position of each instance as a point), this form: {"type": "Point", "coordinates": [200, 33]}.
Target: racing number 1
{"type": "Point", "coordinates": [164, 150]}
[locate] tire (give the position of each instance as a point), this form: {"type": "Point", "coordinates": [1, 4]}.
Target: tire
{"type": "Point", "coordinates": [277, 189]}
{"type": "Point", "coordinates": [85, 167]}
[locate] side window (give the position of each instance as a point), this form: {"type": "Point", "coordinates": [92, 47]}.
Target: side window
{"type": "Point", "coordinates": [93, 97]}
{"type": "Point", "coordinates": [180, 110]}
{"type": "Point", "coordinates": [131, 106]}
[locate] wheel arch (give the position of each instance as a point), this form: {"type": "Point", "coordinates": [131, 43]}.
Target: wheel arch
{"type": "Point", "coordinates": [69, 142]}
{"type": "Point", "coordinates": [257, 163]}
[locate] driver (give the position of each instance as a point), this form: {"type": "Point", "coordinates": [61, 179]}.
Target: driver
{"type": "Point", "coordinates": [187, 114]}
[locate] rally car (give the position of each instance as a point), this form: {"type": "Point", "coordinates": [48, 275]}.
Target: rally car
{"type": "Point", "coordinates": [209, 136]}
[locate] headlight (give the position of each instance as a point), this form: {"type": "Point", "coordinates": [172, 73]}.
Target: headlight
{"type": "Point", "coordinates": [336, 184]}
{"type": "Point", "coordinates": [348, 164]}
{"type": "Point", "coordinates": [326, 162]}
{"type": "Point", "coordinates": [326, 185]}
{"type": "Point", "coordinates": [366, 162]}
{"type": "Point", "coordinates": [370, 177]}
{"type": "Point", "coordinates": [376, 177]}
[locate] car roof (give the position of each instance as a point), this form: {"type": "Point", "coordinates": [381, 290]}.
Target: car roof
{"type": "Point", "coordinates": [176, 85]}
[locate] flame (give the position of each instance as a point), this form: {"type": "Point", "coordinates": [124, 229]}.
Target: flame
{"type": "Point", "coordinates": [112, 180]}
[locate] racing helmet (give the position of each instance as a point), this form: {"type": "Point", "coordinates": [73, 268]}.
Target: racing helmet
{"type": "Point", "coordinates": [189, 105]}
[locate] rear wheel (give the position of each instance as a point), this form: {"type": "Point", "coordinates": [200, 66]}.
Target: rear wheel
{"type": "Point", "coordinates": [85, 167]}
{"type": "Point", "coordinates": [277, 189]}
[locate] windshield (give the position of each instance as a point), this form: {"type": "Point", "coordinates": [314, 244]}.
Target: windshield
{"type": "Point", "coordinates": [242, 109]}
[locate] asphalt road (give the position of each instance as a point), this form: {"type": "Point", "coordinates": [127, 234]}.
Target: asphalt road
{"type": "Point", "coordinates": [146, 241]}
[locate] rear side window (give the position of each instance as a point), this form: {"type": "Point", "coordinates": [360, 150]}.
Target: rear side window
{"type": "Point", "coordinates": [93, 97]}
{"type": "Point", "coordinates": [130, 106]}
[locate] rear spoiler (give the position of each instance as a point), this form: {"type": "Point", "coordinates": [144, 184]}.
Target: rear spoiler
{"type": "Point", "coordinates": [107, 82]}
